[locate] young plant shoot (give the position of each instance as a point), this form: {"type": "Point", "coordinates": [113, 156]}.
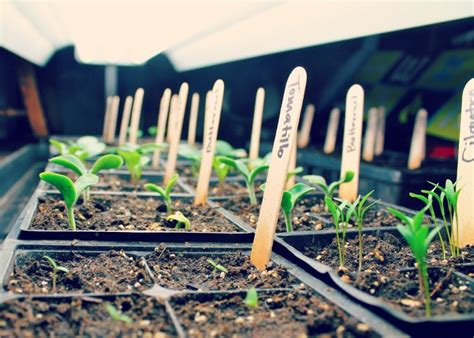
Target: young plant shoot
{"type": "Point", "coordinates": [116, 315]}
{"type": "Point", "coordinates": [56, 268]}
{"type": "Point", "coordinates": [166, 192]}
{"type": "Point", "coordinates": [85, 147]}
{"type": "Point", "coordinates": [289, 199]}
{"type": "Point", "coordinates": [180, 219]}
{"type": "Point", "coordinates": [418, 237]}
{"type": "Point", "coordinates": [192, 154]}
{"type": "Point", "coordinates": [71, 191]}
{"type": "Point", "coordinates": [225, 149]}
{"type": "Point", "coordinates": [135, 158]}
{"type": "Point", "coordinates": [216, 266]}
{"type": "Point", "coordinates": [249, 176]}
{"type": "Point", "coordinates": [221, 169]}
{"type": "Point", "coordinates": [328, 190]}
{"type": "Point", "coordinates": [251, 298]}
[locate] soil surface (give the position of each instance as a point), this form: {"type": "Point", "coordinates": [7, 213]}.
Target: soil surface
{"type": "Point", "coordinates": [389, 272]}
{"type": "Point", "coordinates": [279, 314]}
{"type": "Point", "coordinates": [109, 272]}
{"type": "Point", "coordinates": [84, 317]}
{"type": "Point", "coordinates": [194, 272]}
{"type": "Point", "coordinates": [127, 213]}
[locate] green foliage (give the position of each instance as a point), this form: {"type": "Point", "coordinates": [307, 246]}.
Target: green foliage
{"type": "Point", "coordinates": [70, 190]}
{"type": "Point", "coordinates": [152, 131]}
{"type": "Point", "coordinates": [56, 268]}
{"type": "Point", "coordinates": [220, 168]}
{"type": "Point", "coordinates": [139, 132]}
{"type": "Point", "coordinates": [224, 148]}
{"type": "Point", "coordinates": [419, 238]}
{"type": "Point", "coordinates": [329, 190]}
{"type": "Point", "coordinates": [294, 172]}
{"type": "Point", "coordinates": [192, 154]}
{"type": "Point", "coordinates": [181, 220]}
{"type": "Point", "coordinates": [259, 161]}
{"type": "Point", "coordinates": [85, 147]}
{"type": "Point", "coordinates": [251, 298]}
{"type": "Point", "coordinates": [217, 266]}
{"type": "Point", "coordinates": [166, 192]}
{"type": "Point", "coordinates": [249, 176]}
{"type": "Point", "coordinates": [116, 315]}
{"type": "Point", "coordinates": [134, 162]}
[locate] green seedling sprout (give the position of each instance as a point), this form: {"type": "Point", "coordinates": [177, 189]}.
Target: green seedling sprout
{"type": "Point", "coordinates": [220, 168]}
{"type": "Point", "coordinates": [139, 132]}
{"type": "Point", "coordinates": [152, 131]}
{"type": "Point", "coordinates": [259, 161]}
{"type": "Point", "coordinates": [289, 199]}
{"type": "Point", "coordinates": [116, 315]}
{"type": "Point", "coordinates": [180, 219]}
{"type": "Point", "coordinates": [294, 172]}
{"type": "Point", "coordinates": [135, 163]}
{"type": "Point", "coordinates": [70, 191]}
{"type": "Point", "coordinates": [216, 266]}
{"type": "Point", "coordinates": [329, 190]}
{"type": "Point", "coordinates": [224, 148]}
{"type": "Point", "coordinates": [359, 212]}
{"type": "Point", "coordinates": [251, 298]}
{"type": "Point", "coordinates": [341, 217]}
{"type": "Point", "coordinates": [166, 192]}
{"type": "Point", "coordinates": [192, 154]}
{"type": "Point", "coordinates": [56, 268]}
{"type": "Point", "coordinates": [249, 176]}
{"type": "Point", "coordinates": [418, 238]}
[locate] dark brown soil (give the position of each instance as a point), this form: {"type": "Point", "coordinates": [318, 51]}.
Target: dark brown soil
{"type": "Point", "coordinates": [386, 259]}
{"type": "Point", "coordinates": [84, 317]}
{"type": "Point", "coordinates": [127, 213]}
{"type": "Point", "coordinates": [279, 314]}
{"type": "Point", "coordinates": [193, 272]}
{"type": "Point", "coordinates": [109, 272]}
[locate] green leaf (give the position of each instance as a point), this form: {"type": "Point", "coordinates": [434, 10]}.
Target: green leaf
{"type": "Point", "coordinates": [220, 168]}
{"type": "Point", "coordinates": [148, 148]}
{"type": "Point", "coordinates": [239, 165]}
{"type": "Point", "coordinates": [181, 219]}
{"type": "Point", "coordinates": [107, 162]}
{"type": "Point", "coordinates": [132, 161]}
{"type": "Point", "coordinates": [61, 148]}
{"type": "Point", "coordinates": [70, 162]}
{"type": "Point", "coordinates": [256, 171]}
{"type": "Point", "coordinates": [51, 262]}
{"type": "Point", "coordinates": [63, 269]}
{"type": "Point", "coordinates": [251, 299]}
{"type": "Point", "coordinates": [154, 188]}
{"type": "Point", "coordinates": [217, 266]}
{"type": "Point", "coordinates": [91, 145]}
{"type": "Point", "coordinates": [400, 215]}
{"type": "Point", "coordinates": [286, 202]}
{"type": "Point", "coordinates": [319, 181]}
{"type": "Point", "coordinates": [84, 182]}
{"type": "Point", "coordinates": [333, 209]}
{"type": "Point", "coordinates": [171, 184]}
{"type": "Point", "coordinates": [298, 191]}
{"type": "Point", "coordinates": [64, 184]}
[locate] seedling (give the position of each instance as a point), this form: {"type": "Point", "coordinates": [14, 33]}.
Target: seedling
{"type": "Point", "coordinates": [289, 199]}
{"type": "Point", "coordinates": [152, 131]}
{"type": "Point", "coordinates": [224, 148]}
{"type": "Point", "coordinates": [70, 190]}
{"type": "Point", "coordinates": [341, 218]}
{"type": "Point", "coordinates": [180, 219]}
{"type": "Point", "coordinates": [116, 315]}
{"type": "Point", "coordinates": [294, 172]}
{"type": "Point", "coordinates": [221, 169]}
{"type": "Point", "coordinates": [216, 266]}
{"type": "Point", "coordinates": [56, 268]}
{"type": "Point", "coordinates": [251, 299]}
{"type": "Point", "coordinates": [329, 190]}
{"type": "Point", "coordinates": [418, 238]}
{"type": "Point", "coordinates": [84, 147]}
{"type": "Point", "coordinates": [166, 192]}
{"type": "Point", "coordinates": [135, 159]}
{"type": "Point", "coordinates": [259, 161]}
{"type": "Point", "coordinates": [359, 212]}
{"type": "Point", "coordinates": [249, 176]}
{"type": "Point", "coordinates": [139, 132]}
{"type": "Point", "coordinates": [192, 154]}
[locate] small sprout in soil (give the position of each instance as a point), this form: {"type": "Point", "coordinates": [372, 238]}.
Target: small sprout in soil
{"type": "Point", "coordinates": [224, 148]}
{"type": "Point", "coordinates": [166, 192]}
{"type": "Point", "coordinates": [249, 176]}
{"type": "Point", "coordinates": [180, 219]}
{"type": "Point", "coordinates": [289, 199]}
{"type": "Point", "coordinates": [56, 268]}
{"type": "Point", "coordinates": [341, 218]}
{"type": "Point", "coordinates": [216, 266]}
{"type": "Point", "coordinates": [116, 315]}
{"type": "Point", "coordinates": [418, 237]}
{"type": "Point", "coordinates": [134, 161]}
{"type": "Point", "coordinates": [251, 299]}
{"type": "Point", "coordinates": [192, 154]}
{"type": "Point", "coordinates": [71, 191]}
{"type": "Point", "coordinates": [221, 169]}
{"type": "Point", "coordinates": [84, 147]}
{"type": "Point", "coordinates": [329, 190]}
{"type": "Point", "coordinates": [294, 172]}
{"type": "Point", "coordinates": [259, 161]}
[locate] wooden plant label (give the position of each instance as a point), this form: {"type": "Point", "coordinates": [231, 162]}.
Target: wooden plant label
{"type": "Point", "coordinates": [211, 124]}
{"type": "Point", "coordinates": [352, 140]}
{"type": "Point", "coordinates": [171, 128]}
{"type": "Point", "coordinates": [292, 166]}
{"type": "Point", "coordinates": [136, 112]}
{"type": "Point", "coordinates": [370, 135]}
{"type": "Point", "coordinates": [283, 144]}
{"type": "Point", "coordinates": [380, 136]}
{"type": "Point", "coordinates": [417, 145]}
{"type": "Point", "coordinates": [176, 135]}
{"type": "Point", "coordinates": [108, 106]}
{"type": "Point", "coordinates": [193, 119]}
{"type": "Point", "coordinates": [331, 133]}
{"type": "Point", "coordinates": [465, 173]}
{"type": "Point", "coordinates": [257, 124]}
{"type": "Point", "coordinates": [303, 137]}
{"type": "Point", "coordinates": [160, 125]}
{"type": "Point", "coordinates": [125, 120]}
{"type": "Point", "coordinates": [113, 119]}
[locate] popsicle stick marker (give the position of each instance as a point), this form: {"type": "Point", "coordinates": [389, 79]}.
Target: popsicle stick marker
{"type": "Point", "coordinates": [417, 145]}
{"type": "Point", "coordinates": [283, 144]}
{"type": "Point", "coordinates": [113, 119]}
{"type": "Point", "coordinates": [303, 136]}
{"type": "Point", "coordinates": [108, 105]}
{"type": "Point", "coordinates": [463, 230]}
{"type": "Point", "coordinates": [257, 124]}
{"type": "Point", "coordinates": [292, 166]}
{"type": "Point", "coordinates": [331, 133]}
{"type": "Point", "coordinates": [170, 129]}
{"type": "Point", "coordinates": [136, 112]}
{"type": "Point", "coordinates": [352, 141]}
{"type": "Point", "coordinates": [176, 126]}
{"type": "Point", "coordinates": [370, 135]}
{"type": "Point", "coordinates": [380, 137]}
{"type": "Point", "coordinates": [211, 125]}
{"type": "Point", "coordinates": [127, 107]}
{"type": "Point", "coordinates": [161, 125]}
{"type": "Point", "coordinates": [193, 119]}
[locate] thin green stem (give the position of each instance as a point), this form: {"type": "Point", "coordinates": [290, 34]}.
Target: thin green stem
{"type": "Point", "coordinates": [458, 250]}
{"type": "Point", "coordinates": [422, 269]}
{"type": "Point", "coordinates": [359, 229]}
{"type": "Point", "coordinates": [71, 219]}
{"type": "Point", "coordinates": [289, 224]}
{"type": "Point", "coordinates": [338, 240]}
{"type": "Point", "coordinates": [251, 190]}
{"type": "Point", "coordinates": [54, 280]}
{"type": "Point", "coordinates": [168, 204]}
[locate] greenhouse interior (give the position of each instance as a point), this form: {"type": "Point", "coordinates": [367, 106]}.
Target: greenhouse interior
{"type": "Point", "coordinates": [236, 168]}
